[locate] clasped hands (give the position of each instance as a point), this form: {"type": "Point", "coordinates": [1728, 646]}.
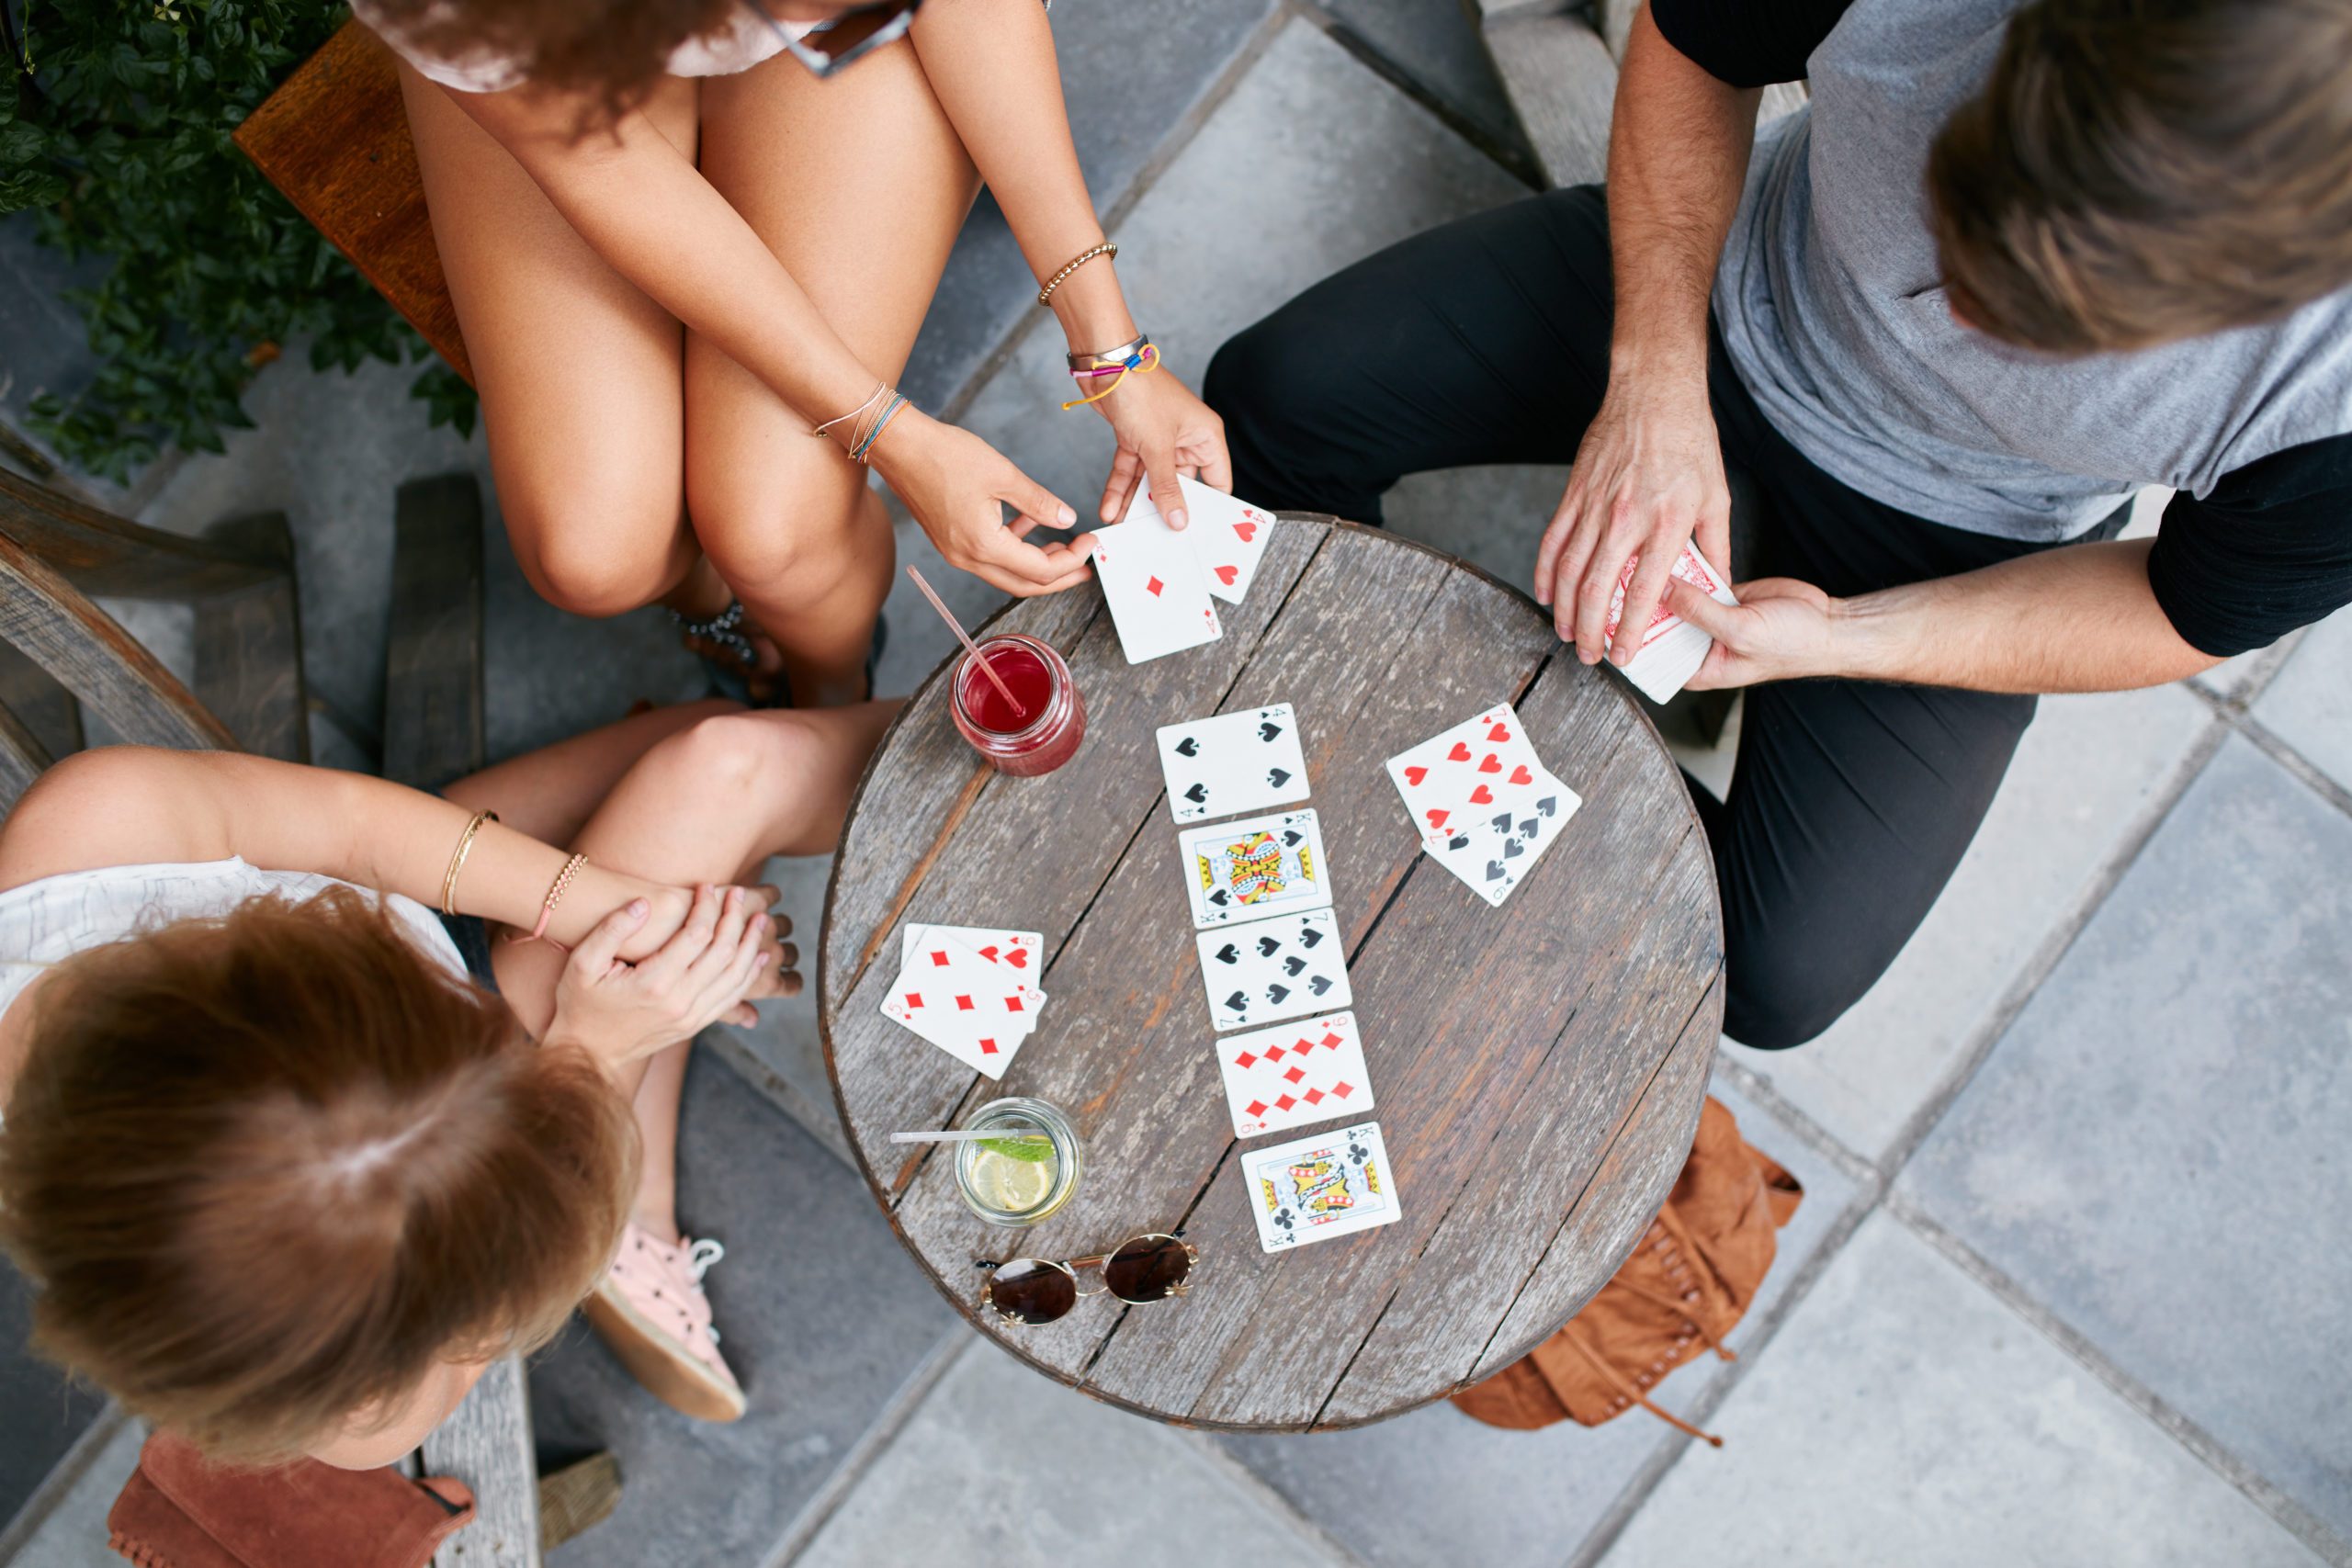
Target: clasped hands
{"type": "Point", "coordinates": [669, 964]}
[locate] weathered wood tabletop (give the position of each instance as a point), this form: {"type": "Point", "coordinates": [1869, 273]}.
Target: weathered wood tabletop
{"type": "Point", "coordinates": [1538, 1068]}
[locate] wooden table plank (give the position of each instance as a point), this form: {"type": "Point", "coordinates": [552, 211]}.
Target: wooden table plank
{"type": "Point", "coordinates": [1482, 1026]}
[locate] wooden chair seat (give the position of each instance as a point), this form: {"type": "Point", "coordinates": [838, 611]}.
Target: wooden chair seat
{"type": "Point", "coordinates": [333, 137]}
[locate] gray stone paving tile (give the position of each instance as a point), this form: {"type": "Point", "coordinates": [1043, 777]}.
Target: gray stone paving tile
{"type": "Point", "coordinates": [1002, 1465]}
{"type": "Point", "coordinates": [1435, 1487]}
{"type": "Point", "coordinates": [2087, 771]}
{"type": "Point", "coordinates": [2156, 1148]}
{"type": "Point", "coordinates": [74, 1534]}
{"type": "Point", "coordinates": [2309, 704]}
{"type": "Point", "coordinates": [48, 347]}
{"type": "Point", "coordinates": [1337, 164]}
{"type": "Point", "coordinates": [1906, 1416]}
{"type": "Point", "coordinates": [1435, 44]}
{"type": "Point", "coordinates": [1130, 73]}
{"type": "Point", "coordinates": [1563, 83]}
{"type": "Point", "coordinates": [47, 1411]}
{"type": "Point", "coordinates": [786, 1044]}
{"type": "Point", "coordinates": [824, 1317]}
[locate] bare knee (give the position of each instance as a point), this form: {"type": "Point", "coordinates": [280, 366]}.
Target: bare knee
{"type": "Point", "coordinates": [596, 557]}
{"type": "Point", "coordinates": [796, 533]}
{"type": "Point", "coordinates": [737, 757]}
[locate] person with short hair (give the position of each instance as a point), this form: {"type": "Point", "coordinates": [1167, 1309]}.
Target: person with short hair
{"type": "Point", "coordinates": [291, 1157]}
{"type": "Point", "coordinates": [2009, 265]}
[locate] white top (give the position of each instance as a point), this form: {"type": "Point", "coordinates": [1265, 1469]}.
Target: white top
{"type": "Point", "coordinates": [48, 921]}
{"type": "Point", "coordinates": [746, 41]}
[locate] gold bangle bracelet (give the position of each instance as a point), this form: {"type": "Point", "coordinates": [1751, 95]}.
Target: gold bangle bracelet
{"type": "Point", "coordinates": [458, 862]}
{"type": "Point", "coordinates": [1045, 290]}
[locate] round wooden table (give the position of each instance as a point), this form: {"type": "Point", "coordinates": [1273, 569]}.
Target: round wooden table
{"type": "Point", "coordinates": [1538, 1068]}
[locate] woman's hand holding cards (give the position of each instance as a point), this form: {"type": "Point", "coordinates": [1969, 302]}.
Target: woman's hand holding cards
{"type": "Point", "coordinates": [957, 487]}
{"type": "Point", "coordinates": [1163, 431]}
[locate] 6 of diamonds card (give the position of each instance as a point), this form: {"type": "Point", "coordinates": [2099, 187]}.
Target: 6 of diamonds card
{"type": "Point", "coordinates": [1315, 1187]}
{"type": "Point", "coordinates": [1294, 1074]}
{"type": "Point", "coordinates": [1241, 871]}
{"type": "Point", "coordinates": [1273, 968]}
{"type": "Point", "coordinates": [1235, 762]}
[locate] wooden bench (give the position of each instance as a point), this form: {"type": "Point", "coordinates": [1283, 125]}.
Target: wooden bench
{"type": "Point", "coordinates": [333, 138]}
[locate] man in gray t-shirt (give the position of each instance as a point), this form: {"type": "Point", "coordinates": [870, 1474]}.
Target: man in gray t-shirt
{"type": "Point", "coordinates": [2013, 262]}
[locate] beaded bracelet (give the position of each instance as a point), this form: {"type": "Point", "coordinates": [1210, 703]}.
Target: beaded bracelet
{"type": "Point", "coordinates": [547, 905]}
{"type": "Point", "coordinates": [1045, 290]}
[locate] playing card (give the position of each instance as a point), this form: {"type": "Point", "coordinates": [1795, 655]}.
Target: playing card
{"type": "Point", "coordinates": [1315, 1187]}
{"type": "Point", "coordinates": [1273, 969]}
{"type": "Point", "coordinates": [1158, 594]}
{"type": "Point", "coordinates": [1294, 1074]}
{"type": "Point", "coordinates": [1017, 951]}
{"type": "Point", "coordinates": [1244, 870]}
{"type": "Point", "coordinates": [976, 1009]}
{"type": "Point", "coordinates": [1494, 854]}
{"type": "Point", "coordinates": [1235, 762]}
{"type": "Point", "coordinates": [1671, 649]}
{"type": "Point", "coordinates": [1478, 768]}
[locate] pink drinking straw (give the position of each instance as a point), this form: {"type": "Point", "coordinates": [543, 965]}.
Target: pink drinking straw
{"type": "Point", "coordinates": [957, 628]}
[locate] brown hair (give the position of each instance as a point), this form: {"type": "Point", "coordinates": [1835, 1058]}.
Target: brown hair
{"type": "Point", "coordinates": [270, 1170]}
{"type": "Point", "coordinates": [612, 51]}
{"type": "Point", "coordinates": [2137, 172]}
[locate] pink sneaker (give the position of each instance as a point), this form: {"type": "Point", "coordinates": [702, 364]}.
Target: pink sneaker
{"type": "Point", "coordinates": [650, 1309]}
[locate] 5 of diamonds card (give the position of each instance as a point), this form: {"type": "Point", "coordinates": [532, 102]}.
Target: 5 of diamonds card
{"type": "Point", "coordinates": [1273, 968]}
{"type": "Point", "coordinates": [1294, 1074]}
{"type": "Point", "coordinates": [1235, 762]}
{"type": "Point", "coordinates": [1319, 1187]}
{"type": "Point", "coordinates": [1241, 871]}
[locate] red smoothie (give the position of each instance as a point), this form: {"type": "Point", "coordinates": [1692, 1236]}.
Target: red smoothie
{"type": "Point", "coordinates": [1041, 728]}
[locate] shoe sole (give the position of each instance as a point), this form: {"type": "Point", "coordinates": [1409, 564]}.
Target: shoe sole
{"type": "Point", "coordinates": [652, 1358]}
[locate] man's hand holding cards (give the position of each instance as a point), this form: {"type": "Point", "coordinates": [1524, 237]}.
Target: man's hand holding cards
{"type": "Point", "coordinates": [1671, 649]}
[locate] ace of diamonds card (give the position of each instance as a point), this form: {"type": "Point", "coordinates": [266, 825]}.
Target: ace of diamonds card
{"type": "Point", "coordinates": [1315, 1188]}
{"type": "Point", "coordinates": [1158, 594]}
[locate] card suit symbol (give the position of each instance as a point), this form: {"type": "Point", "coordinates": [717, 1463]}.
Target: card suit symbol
{"type": "Point", "coordinates": [1226, 574]}
{"type": "Point", "coordinates": [1284, 1103]}
{"type": "Point", "coordinates": [1282, 1219]}
{"type": "Point", "coordinates": [1274, 1053]}
{"type": "Point", "coordinates": [914, 1001]}
{"type": "Point", "coordinates": [1499, 733]}
{"type": "Point", "coordinates": [1459, 841]}
{"type": "Point", "coordinates": [1308, 936]}
{"type": "Point", "coordinates": [1491, 764]}
{"type": "Point", "coordinates": [1295, 1075]}
{"type": "Point", "coordinates": [1153, 586]}
{"type": "Point", "coordinates": [1268, 733]}
{"type": "Point", "coordinates": [1249, 531]}
{"type": "Point", "coordinates": [1018, 958]}
{"type": "Point", "coordinates": [988, 1047]}
{"type": "Point", "coordinates": [1437, 817]}
{"type": "Point", "coordinates": [1330, 1040]}
{"type": "Point", "coordinates": [1519, 776]}
{"type": "Point", "coordinates": [1238, 1002]}
{"type": "Point", "coordinates": [1494, 869]}
{"type": "Point", "coordinates": [1246, 1060]}
{"type": "Point", "coordinates": [1549, 804]}
{"type": "Point", "coordinates": [1276, 992]}
{"type": "Point", "coordinates": [939, 958]}
{"type": "Point", "coordinates": [1357, 1152]}
{"type": "Point", "coordinates": [1482, 796]}
{"type": "Point", "coordinates": [1291, 837]}
{"type": "Point", "coordinates": [1198, 794]}
{"type": "Point", "coordinates": [1527, 828]}
{"type": "Point", "coordinates": [1220, 898]}
{"type": "Point", "coordinates": [1313, 1097]}
{"type": "Point", "coordinates": [963, 1004]}
{"type": "Point", "coordinates": [1188, 747]}
{"type": "Point", "coordinates": [1269, 945]}
{"type": "Point", "coordinates": [1012, 1004]}
{"type": "Point", "coordinates": [1293, 964]}
{"type": "Point", "coordinates": [1318, 984]}
{"type": "Point", "coordinates": [1255, 1108]}
{"type": "Point", "coordinates": [1415, 775]}
{"type": "Point", "coordinates": [1513, 849]}
{"type": "Point", "coordinates": [1502, 824]}
{"type": "Point", "coordinates": [1461, 752]}
{"type": "Point", "coordinates": [991, 952]}
{"type": "Point", "coordinates": [1227, 955]}
{"type": "Point", "coordinates": [1277, 777]}
{"type": "Point", "coordinates": [1343, 1090]}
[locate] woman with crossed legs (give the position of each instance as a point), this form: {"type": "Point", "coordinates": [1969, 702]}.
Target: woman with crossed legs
{"type": "Point", "coordinates": [682, 235]}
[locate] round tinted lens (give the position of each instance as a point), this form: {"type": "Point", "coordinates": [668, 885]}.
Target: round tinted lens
{"type": "Point", "coordinates": [1146, 1268]}
{"type": "Point", "coordinates": [1032, 1291]}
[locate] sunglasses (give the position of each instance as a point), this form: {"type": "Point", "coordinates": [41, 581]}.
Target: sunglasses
{"type": "Point", "coordinates": [845, 40]}
{"type": "Point", "coordinates": [1142, 1269]}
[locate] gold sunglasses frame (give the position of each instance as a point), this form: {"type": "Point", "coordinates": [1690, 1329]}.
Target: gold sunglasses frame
{"type": "Point", "coordinates": [1071, 1265]}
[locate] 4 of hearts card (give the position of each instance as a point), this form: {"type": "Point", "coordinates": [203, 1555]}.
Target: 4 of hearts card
{"type": "Point", "coordinates": [1483, 803]}
{"type": "Point", "coordinates": [1273, 969]}
{"type": "Point", "coordinates": [1294, 1074]}
{"type": "Point", "coordinates": [979, 1009]}
{"type": "Point", "coordinates": [1235, 762]}
{"type": "Point", "coordinates": [1228, 535]}
{"type": "Point", "coordinates": [1315, 1188]}
{"type": "Point", "coordinates": [1671, 649]}
{"type": "Point", "coordinates": [1245, 871]}
{"type": "Point", "coordinates": [1153, 582]}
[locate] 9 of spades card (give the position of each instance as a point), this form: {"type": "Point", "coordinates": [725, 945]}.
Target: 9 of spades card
{"type": "Point", "coordinates": [1271, 969]}
{"type": "Point", "coordinates": [1244, 870]}
{"type": "Point", "coordinates": [1322, 1186]}
{"type": "Point", "coordinates": [1234, 763]}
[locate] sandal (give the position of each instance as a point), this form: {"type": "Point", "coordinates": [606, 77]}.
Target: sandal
{"type": "Point", "coordinates": [650, 1309]}
{"type": "Point", "coordinates": [735, 664]}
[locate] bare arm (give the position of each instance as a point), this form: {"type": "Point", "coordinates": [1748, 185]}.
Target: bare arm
{"type": "Point", "coordinates": [1649, 471]}
{"type": "Point", "coordinates": [2080, 618]}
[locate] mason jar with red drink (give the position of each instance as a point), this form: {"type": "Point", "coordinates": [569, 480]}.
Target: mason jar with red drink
{"type": "Point", "coordinates": [1034, 724]}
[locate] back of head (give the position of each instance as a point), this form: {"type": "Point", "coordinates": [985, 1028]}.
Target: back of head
{"type": "Point", "coordinates": [612, 51]}
{"type": "Point", "coordinates": [269, 1170]}
{"type": "Point", "coordinates": [2137, 172]}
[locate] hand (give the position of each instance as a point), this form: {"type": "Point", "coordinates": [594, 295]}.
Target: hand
{"type": "Point", "coordinates": [1648, 474]}
{"type": "Point", "coordinates": [958, 485]}
{"type": "Point", "coordinates": [1781, 629]}
{"type": "Point", "coordinates": [723, 953]}
{"type": "Point", "coordinates": [1163, 431]}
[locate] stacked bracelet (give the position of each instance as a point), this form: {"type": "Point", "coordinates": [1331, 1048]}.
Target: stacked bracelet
{"type": "Point", "coordinates": [458, 862]}
{"type": "Point", "coordinates": [862, 450]}
{"type": "Point", "coordinates": [1140, 357]}
{"type": "Point", "coordinates": [881, 390]}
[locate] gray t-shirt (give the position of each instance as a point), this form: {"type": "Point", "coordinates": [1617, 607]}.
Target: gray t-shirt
{"type": "Point", "coordinates": [1830, 302]}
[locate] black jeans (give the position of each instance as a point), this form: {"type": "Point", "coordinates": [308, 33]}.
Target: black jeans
{"type": "Point", "coordinates": [1488, 342]}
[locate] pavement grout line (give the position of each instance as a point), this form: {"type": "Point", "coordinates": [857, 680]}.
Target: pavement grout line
{"type": "Point", "coordinates": [2216, 1456]}
{"type": "Point", "coordinates": [1518, 163]}
{"type": "Point", "coordinates": [2274, 746]}
{"type": "Point", "coordinates": [1249, 1483]}
{"type": "Point", "coordinates": [951, 1347]}
{"type": "Point", "coordinates": [17, 1534]}
{"type": "Point", "coordinates": [821, 1122]}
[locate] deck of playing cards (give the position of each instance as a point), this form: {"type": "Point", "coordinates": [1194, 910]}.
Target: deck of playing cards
{"type": "Point", "coordinates": [1484, 807]}
{"type": "Point", "coordinates": [969, 990]}
{"type": "Point", "coordinates": [1671, 649]}
{"type": "Point", "coordinates": [1315, 1188]}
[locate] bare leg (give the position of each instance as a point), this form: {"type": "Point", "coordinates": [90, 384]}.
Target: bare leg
{"type": "Point", "coordinates": [858, 185]}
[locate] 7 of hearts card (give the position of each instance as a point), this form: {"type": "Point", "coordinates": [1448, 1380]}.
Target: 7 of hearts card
{"type": "Point", "coordinates": [1315, 1188]}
